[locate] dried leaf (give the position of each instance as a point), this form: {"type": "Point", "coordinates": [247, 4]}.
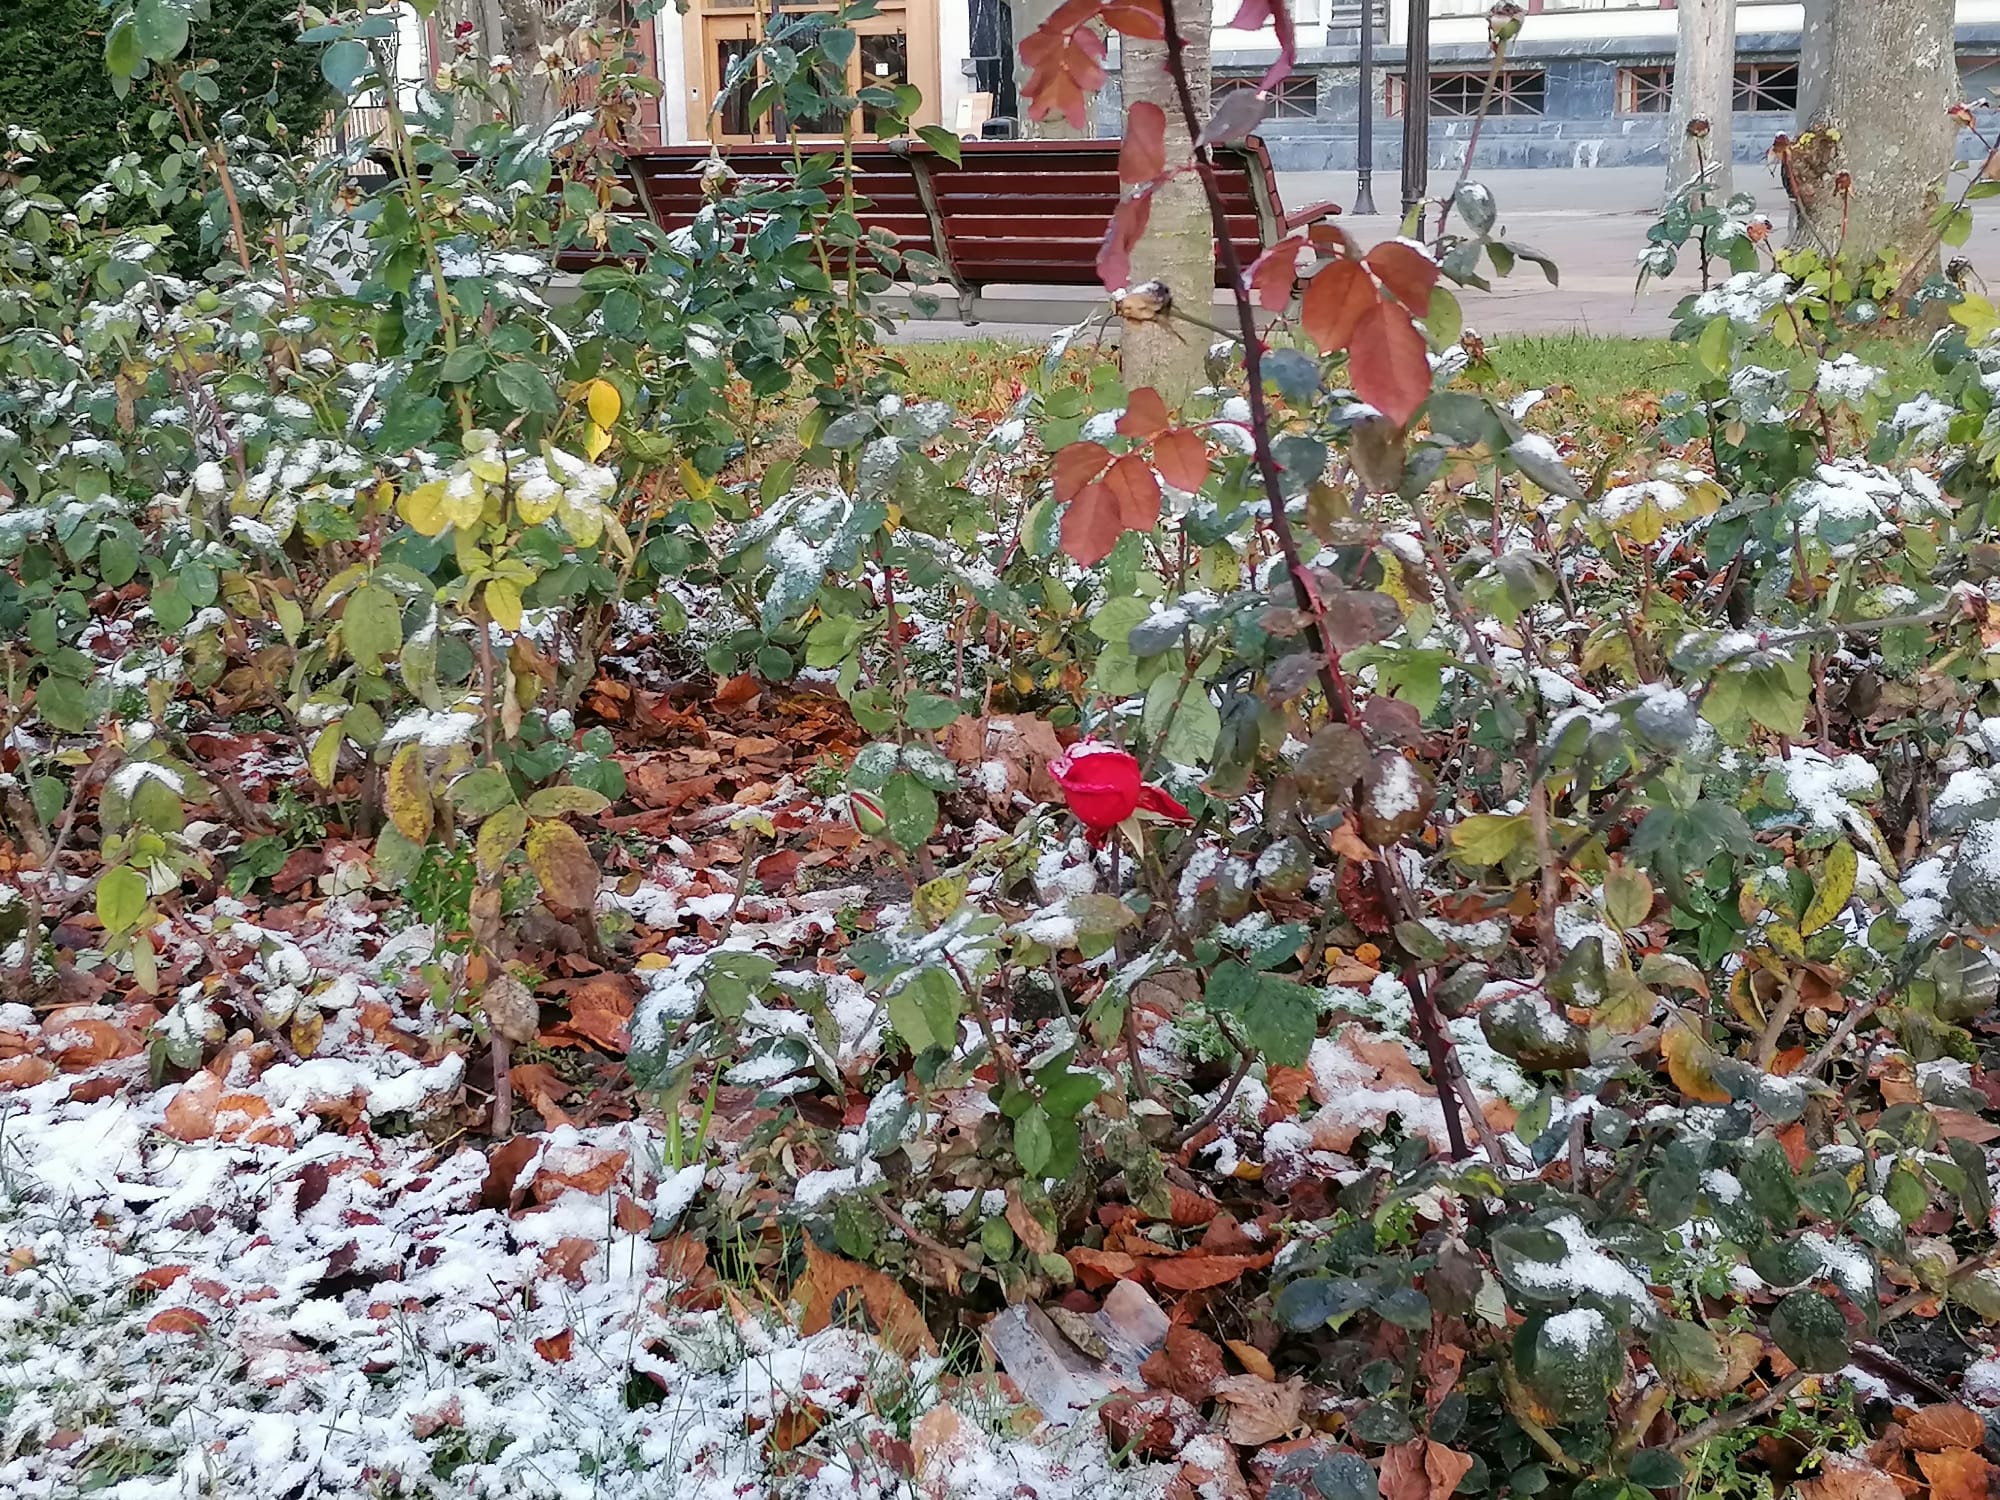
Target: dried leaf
{"type": "Point", "coordinates": [1956, 1474]}
{"type": "Point", "coordinates": [1690, 1063]}
{"type": "Point", "coordinates": [822, 1294]}
{"type": "Point", "coordinates": [171, 1320]}
{"type": "Point", "coordinates": [1945, 1425]}
{"type": "Point", "coordinates": [1260, 1411]}
{"type": "Point", "coordinates": [1253, 1359]}
{"type": "Point", "coordinates": [1193, 1273]}
{"type": "Point", "coordinates": [1844, 1478]}
{"type": "Point", "coordinates": [1422, 1470]}
{"type": "Point", "coordinates": [511, 1009]}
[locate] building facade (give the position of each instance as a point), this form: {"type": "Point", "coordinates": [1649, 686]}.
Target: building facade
{"type": "Point", "coordinates": [1588, 83]}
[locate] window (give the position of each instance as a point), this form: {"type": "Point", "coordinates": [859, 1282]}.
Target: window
{"type": "Point", "coordinates": [1296, 98]}
{"type": "Point", "coordinates": [1646, 91]}
{"type": "Point", "coordinates": [1767, 88]}
{"type": "Point", "coordinates": [1457, 96]}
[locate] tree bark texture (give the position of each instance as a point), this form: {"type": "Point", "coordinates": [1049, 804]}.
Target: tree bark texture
{"type": "Point", "coordinates": [1704, 89]}
{"type": "Point", "coordinates": [1178, 246]}
{"type": "Point", "coordinates": [1890, 73]}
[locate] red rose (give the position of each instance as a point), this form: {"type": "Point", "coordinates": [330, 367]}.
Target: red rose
{"type": "Point", "coordinates": [1102, 787]}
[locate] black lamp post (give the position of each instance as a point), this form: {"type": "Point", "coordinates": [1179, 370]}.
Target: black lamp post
{"type": "Point", "coordinates": [1417, 111]}
{"type": "Point", "coordinates": [1364, 185]}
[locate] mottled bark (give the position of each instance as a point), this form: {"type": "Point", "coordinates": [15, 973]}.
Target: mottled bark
{"type": "Point", "coordinates": [516, 30]}
{"type": "Point", "coordinates": [1179, 244]}
{"type": "Point", "coordinates": [1887, 76]}
{"type": "Point", "coordinates": [1704, 89]}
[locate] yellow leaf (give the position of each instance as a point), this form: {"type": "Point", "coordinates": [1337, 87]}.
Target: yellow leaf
{"type": "Point", "coordinates": [325, 754]}
{"type": "Point", "coordinates": [423, 508]}
{"type": "Point", "coordinates": [1836, 884]}
{"type": "Point", "coordinates": [499, 835]}
{"type": "Point", "coordinates": [503, 603]}
{"type": "Point", "coordinates": [561, 861]}
{"type": "Point", "coordinates": [604, 403]}
{"type": "Point", "coordinates": [584, 523]}
{"type": "Point", "coordinates": [697, 487]}
{"type": "Point", "coordinates": [407, 790]}
{"type": "Point", "coordinates": [464, 498]}
{"type": "Point", "coordinates": [595, 440]}
{"type": "Point", "coordinates": [1690, 1063]}
{"type": "Point", "coordinates": [536, 508]}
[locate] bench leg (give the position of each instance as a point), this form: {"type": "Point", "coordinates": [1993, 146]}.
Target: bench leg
{"type": "Point", "coordinates": [968, 303]}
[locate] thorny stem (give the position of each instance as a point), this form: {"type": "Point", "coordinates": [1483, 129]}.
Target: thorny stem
{"type": "Point", "coordinates": [1472, 141]}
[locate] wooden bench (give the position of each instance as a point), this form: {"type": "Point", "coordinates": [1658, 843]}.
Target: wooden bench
{"type": "Point", "coordinates": [1009, 213]}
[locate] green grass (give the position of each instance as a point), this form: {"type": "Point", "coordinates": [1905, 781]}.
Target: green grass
{"type": "Point", "coordinates": [1600, 368]}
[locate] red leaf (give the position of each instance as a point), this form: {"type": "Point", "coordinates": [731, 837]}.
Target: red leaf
{"type": "Point", "coordinates": [1274, 273]}
{"type": "Point", "coordinates": [1114, 256]}
{"type": "Point", "coordinates": [1143, 155]}
{"type": "Point", "coordinates": [1193, 1273]}
{"type": "Point", "coordinates": [177, 1320]}
{"type": "Point", "coordinates": [1407, 272]}
{"type": "Point", "coordinates": [1145, 415]}
{"type": "Point", "coordinates": [1251, 16]}
{"type": "Point", "coordinates": [1090, 527]}
{"type": "Point", "coordinates": [1136, 491]}
{"type": "Point", "coordinates": [1139, 18]}
{"type": "Point", "coordinates": [1334, 304]}
{"type": "Point", "coordinates": [1066, 64]}
{"type": "Point", "coordinates": [1389, 364]}
{"type": "Point", "coordinates": [1182, 458]}
{"type": "Point", "coordinates": [1077, 465]}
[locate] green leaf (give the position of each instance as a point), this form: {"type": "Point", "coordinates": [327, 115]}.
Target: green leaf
{"type": "Point", "coordinates": [1281, 1020]}
{"type": "Point", "coordinates": [1690, 1355]}
{"type": "Point", "coordinates": [123, 54]}
{"type": "Point", "coordinates": [1186, 715]}
{"type": "Point", "coordinates": [911, 809]}
{"type": "Point", "coordinates": [1574, 1360]}
{"type": "Point", "coordinates": [1713, 347]}
{"type": "Point", "coordinates": [1811, 1331]}
{"type": "Point", "coordinates": [481, 793]}
{"type": "Point", "coordinates": [1656, 1469]}
{"type": "Point", "coordinates": [121, 898]}
{"type": "Point", "coordinates": [64, 704]}
{"type": "Point", "coordinates": [941, 141]}
{"type": "Point", "coordinates": [344, 63]}
{"type": "Point", "coordinates": [162, 28]}
{"type": "Point", "coordinates": [525, 388]}
{"type": "Point", "coordinates": [925, 1010]}
{"type": "Point", "coordinates": [463, 363]}
{"type": "Point", "coordinates": [1034, 1144]}
{"type": "Point", "coordinates": [1767, 1176]}
{"type": "Point", "coordinates": [372, 626]}
{"type": "Point", "coordinates": [929, 710]}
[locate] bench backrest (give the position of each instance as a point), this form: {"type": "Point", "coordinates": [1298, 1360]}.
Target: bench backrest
{"type": "Point", "coordinates": [1029, 212]}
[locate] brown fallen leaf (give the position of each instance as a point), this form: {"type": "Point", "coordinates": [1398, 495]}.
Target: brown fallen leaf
{"type": "Point", "coordinates": [555, 1347]}
{"type": "Point", "coordinates": [1099, 1268]}
{"type": "Point", "coordinates": [1253, 1359]}
{"type": "Point", "coordinates": [1194, 1273]}
{"type": "Point", "coordinates": [1261, 1411]}
{"type": "Point", "coordinates": [191, 1112]}
{"type": "Point", "coordinates": [1956, 1474]}
{"type": "Point", "coordinates": [936, 1439]}
{"type": "Point", "coordinates": [1945, 1425]}
{"type": "Point", "coordinates": [177, 1320]}
{"type": "Point", "coordinates": [587, 1169]}
{"type": "Point", "coordinates": [1189, 1365]}
{"type": "Point", "coordinates": [1422, 1470]}
{"type": "Point", "coordinates": [1843, 1478]}
{"type": "Point", "coordinates": [823, 1294]}
{"type": "Point", "coordinates": [1032, 1232]}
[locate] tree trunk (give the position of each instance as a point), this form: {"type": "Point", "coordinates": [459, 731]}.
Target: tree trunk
{"type": "Point", "coordinates": [1889, 76]}
{"type": "Point", "coordinates": [1704, 89]}
{"type": "Point", "coordinates": [1178, 247]}
{"type": "Point", "coordinates": [516, 30]}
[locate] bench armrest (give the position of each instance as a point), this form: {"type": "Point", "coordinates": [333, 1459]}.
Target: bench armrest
{"type": "Point", "coordinates": [1312, 213]}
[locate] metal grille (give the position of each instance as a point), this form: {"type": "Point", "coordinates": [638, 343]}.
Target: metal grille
{"type": "Point", "coordinates": [1767, 88]}
{"type": "Point", "coordinates": [1295, 98]}
{"type": "Point", "coordinates": [1646, 91]}
{"type": "Point", "coordinates": [1457, 96]}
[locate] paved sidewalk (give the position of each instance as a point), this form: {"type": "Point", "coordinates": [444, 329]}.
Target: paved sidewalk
{"type": "Point", "coordinates": [1591, 221]}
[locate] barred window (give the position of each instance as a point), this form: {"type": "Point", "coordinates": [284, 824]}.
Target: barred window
{"type": "Point", "coordinates": [1767, 88]}
{"type": "Point", "coordinates": [1646, 91]}
{"type": "Point", "coordinates": [1296, 98]}
{"type": "Point", "coordinates": [1457, 96]}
